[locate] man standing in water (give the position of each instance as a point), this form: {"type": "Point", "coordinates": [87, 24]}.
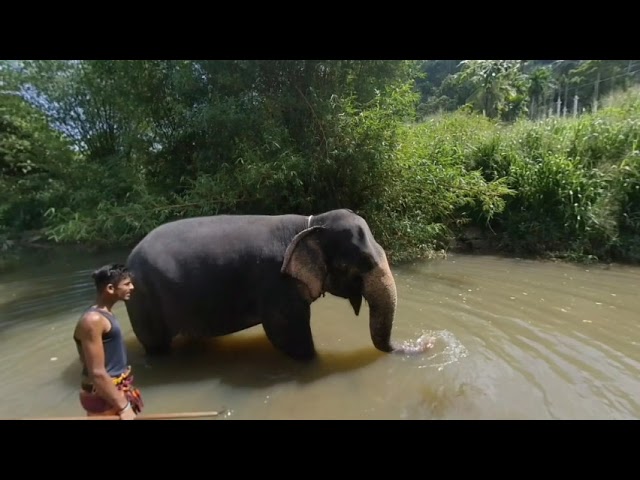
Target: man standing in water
{"type": "Point", "coordinates": [107, 382]}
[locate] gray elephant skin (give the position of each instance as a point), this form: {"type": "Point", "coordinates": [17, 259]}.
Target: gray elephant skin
{"type": "Point", "coordinates": [216, 275]}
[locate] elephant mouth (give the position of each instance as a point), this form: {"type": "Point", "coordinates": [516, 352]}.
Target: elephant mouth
{"type": "Point", "coordinates": [349, 287]}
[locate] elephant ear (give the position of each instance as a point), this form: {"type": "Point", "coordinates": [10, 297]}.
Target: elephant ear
{"type": "Point", "coordinates": [305, 261]}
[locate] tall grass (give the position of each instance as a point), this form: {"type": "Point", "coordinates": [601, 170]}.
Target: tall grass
{"type": "Point", "coordinates": [576, 182]}
{"type": "Point", "coordinates": [429, 193]}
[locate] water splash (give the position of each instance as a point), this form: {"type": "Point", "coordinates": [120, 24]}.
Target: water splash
{"type": "Point", "coordinates": [226, 413]}
{"type": "Point", "coordinates": [447, 348]}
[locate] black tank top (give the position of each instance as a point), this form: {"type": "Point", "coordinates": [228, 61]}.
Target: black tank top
{"type": "Point", "coordinates": [115, 354]}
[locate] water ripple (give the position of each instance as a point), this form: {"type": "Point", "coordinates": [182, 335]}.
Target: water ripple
{"type": "Point", "coordinates": [513, 339]}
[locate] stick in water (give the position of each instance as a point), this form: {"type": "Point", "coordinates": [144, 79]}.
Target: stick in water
{"type": "Point", "coordinates": [152, 416]}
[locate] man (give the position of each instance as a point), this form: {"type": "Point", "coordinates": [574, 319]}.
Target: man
{"type": "Point", "coordinates": [107, 383]}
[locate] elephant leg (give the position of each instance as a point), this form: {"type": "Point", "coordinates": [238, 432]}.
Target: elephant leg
{"type": "Point", "coordinates": [148, 325]}
{"type": "Point", "coordinates": [157, 347]}
{"type": "Point", "coordinates": [288, 328]}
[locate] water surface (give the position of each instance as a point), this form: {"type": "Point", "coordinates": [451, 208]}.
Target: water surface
{"type": "Point", "coordinates": [515, 339]}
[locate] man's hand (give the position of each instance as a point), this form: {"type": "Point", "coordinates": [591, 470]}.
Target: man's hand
{"type": "Point", "coordinates": [127, 413]}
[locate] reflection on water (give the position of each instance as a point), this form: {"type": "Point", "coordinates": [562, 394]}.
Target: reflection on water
{"type": "Point", "coordinates": [513, 339]}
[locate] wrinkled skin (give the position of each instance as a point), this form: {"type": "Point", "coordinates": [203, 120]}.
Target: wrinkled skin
{"type": "Point", "coordinates": [212, 276]}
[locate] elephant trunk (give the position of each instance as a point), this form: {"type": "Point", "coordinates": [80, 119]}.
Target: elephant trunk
{"type": "Point", "coordinates": [379, 289]}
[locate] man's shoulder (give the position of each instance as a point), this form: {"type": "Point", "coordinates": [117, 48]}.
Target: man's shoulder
{"type": "Point", "coordinates": [91, 319]}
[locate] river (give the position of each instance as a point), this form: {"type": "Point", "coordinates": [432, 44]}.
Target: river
{"type": "Point", "coordinates": [515, 339]}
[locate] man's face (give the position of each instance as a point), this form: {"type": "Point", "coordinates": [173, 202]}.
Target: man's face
{"type": "Point", "coordinates": [123, 290]}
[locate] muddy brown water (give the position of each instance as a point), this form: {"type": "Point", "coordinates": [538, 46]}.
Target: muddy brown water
{"type": "Point", "coordinates": [515, 339]}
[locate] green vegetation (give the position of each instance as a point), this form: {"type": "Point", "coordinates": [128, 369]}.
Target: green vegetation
{"type": "Point", "coordinates": [100, 152]}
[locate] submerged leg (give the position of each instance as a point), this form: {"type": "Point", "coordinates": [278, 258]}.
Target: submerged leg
{"type": "Point", "coordinates": [289, 330]}
{"type": "Point", "coordinates": [148, 325]}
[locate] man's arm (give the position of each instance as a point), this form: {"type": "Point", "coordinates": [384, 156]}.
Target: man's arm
{"type": "Point", "coordinates": [90, 333]}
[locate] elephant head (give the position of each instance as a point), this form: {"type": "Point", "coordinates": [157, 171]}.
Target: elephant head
{"type": "Point", "coordinates": [338, 254]}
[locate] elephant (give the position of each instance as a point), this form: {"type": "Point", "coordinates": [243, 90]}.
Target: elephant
{"type": "Point", "coordinates": [215, 275]}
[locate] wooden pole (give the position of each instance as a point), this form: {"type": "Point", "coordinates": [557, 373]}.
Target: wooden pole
{"type": "Point", "coordinates": [152, 416]}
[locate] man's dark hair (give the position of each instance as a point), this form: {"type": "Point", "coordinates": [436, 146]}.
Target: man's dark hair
{"type": "Point", "coordinates": [112, 273]}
